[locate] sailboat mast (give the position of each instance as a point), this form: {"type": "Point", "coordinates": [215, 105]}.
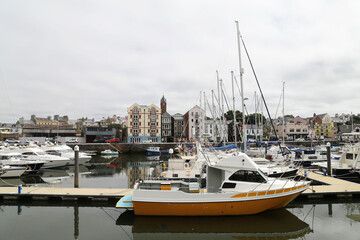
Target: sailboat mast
{"type": "Point", "coordinates": [283, 112]}
{"type": "Point", "coordinates": [219, 105]}
{"type": "Point", "coordinates": [224, 125]}
{"type": "Point", "coordinates": [244, 137]}
{"type": "Point", "coordinates": [256, 106]}
{"type": "Point", "coordinates": [234, 114]}
{"type": "Point", "coordinates": [214, 115]}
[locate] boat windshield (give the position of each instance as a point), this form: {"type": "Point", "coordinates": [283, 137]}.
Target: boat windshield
{"type": "Point", "coordinates": [247, 176]}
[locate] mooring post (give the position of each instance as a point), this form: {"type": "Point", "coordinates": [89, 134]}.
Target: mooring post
{"type": "Point", "coordinates": [76, 221]}
{"type": "Point", "coordinates": [330, 210]}
{"type": "Point", "coordinates": [76, 173]}
{"type": "Point", "coordinates": [328, 145]}
{"type": "Point", "coordinates": [266, 148]}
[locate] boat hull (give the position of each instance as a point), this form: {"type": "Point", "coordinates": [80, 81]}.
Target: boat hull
{"type": "Point", "coordinates": [225, 208]}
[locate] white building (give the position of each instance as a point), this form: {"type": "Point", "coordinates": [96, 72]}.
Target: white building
{"type": "Point", "coordinates": [195, 123]}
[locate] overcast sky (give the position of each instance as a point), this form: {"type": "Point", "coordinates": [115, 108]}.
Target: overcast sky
{"type": "Point", "coordinates": [85, 58]}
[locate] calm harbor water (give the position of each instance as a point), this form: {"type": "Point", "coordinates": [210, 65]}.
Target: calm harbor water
{"type": "Point", "coordinates": [298, 221]}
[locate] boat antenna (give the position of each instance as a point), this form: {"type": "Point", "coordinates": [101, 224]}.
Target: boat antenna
{"type": "Point", "coordinates": [262, 95]}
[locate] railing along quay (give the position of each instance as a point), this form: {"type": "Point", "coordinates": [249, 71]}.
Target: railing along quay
{"type": "Point", "coordinates": [122, 147]}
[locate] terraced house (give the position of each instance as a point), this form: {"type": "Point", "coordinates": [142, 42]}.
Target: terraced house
{"type": "Point", "coordinates": [323, 126]}
{"type": "Point", "coordinates": [144, 123]}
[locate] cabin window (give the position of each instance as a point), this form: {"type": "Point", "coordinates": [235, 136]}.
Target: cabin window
{"type": "Point", "coordinates": [229, 185]}
{"type": "Point", "coordinates": [351, 156]}
{"type": "Point", "coordinates": [29, 153]}
{"type": "Point", "coordinates": [175, 175]}
{"type": "Point", "coordinates": [247, 176]}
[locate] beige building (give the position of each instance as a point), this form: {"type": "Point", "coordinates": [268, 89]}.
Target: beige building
{"type": "Point", "coordinates": [144, 123]}
{"type": "Point", "coordinates": [292, 130]}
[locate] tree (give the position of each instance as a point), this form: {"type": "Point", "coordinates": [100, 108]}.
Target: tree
{"type": "Point", "coordinates": [120, 130]}
{"type": "Point", "coordinates": [356, 120]}
{"type": "Point", "coordinates": [229, 115]}
{"type": "Point", "coordinates": [251, 118]}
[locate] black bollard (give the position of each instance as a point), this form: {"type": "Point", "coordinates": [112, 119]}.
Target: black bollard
{"type": "Point", "coordinates": [328, 145]}
{"type": "Point", "coordinates": [76, 173]}
{"type": "Point", "coordinates": [266, 147]}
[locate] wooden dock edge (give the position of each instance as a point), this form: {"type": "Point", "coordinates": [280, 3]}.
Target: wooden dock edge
{"type": "Point", "coordinates": [62, 196]}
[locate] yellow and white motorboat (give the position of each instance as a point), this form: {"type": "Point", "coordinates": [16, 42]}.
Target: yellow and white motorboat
{"type": "Point", "coordinates": [234, 186]}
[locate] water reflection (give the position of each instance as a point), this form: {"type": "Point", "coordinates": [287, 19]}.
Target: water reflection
{"type": "Point", "coordinates": [276, 224]}
{"type": "Point", "coordinates": [353, 211]}
{"type": "Point", "coordinates": [75, 222]}
{"type": "Point", "coordinates": [132, 166]}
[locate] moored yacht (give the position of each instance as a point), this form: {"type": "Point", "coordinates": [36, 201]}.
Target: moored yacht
{"type": "Point", "coordinates": [235, 186]}
{"type": "Point", "coordinates": [15, 159]}
{"type": "Point", "coordinates": [51, 161]}
{"type": "Point", "coordinates": [65, 151]}
{"type": "Point", "coordinates": [348, 166]}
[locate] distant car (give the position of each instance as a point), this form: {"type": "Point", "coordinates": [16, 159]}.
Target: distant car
{"type": "Point", "coordinates": [147, 141]}
{"type": "Point", "coordinates": [300, 139]}
{"type": "Point", "coordinates": [113, 140]}
{"type": "Point", "coordinates": [12, 140]}
{"type": "Point", "coordinates": [100, 140]}
{"type": "Point", "coordinates": [72, 140]}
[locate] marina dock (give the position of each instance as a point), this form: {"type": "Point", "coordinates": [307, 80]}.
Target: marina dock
{"type": "Point", "coordinates": [330, 188]}
{"type": "Point", "coordinates": [63, 195]}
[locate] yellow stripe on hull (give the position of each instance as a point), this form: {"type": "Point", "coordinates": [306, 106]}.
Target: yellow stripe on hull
{"type": "Point", "coordinates": [245, 207]}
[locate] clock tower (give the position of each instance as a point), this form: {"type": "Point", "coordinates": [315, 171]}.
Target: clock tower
{"type": "Point", "coordinates": [163, 105]}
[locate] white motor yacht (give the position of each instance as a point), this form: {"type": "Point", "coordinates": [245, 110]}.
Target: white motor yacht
{"type": "Point", "coordinates": [51, 161]}
{"type": "Point", "coordinates": [15, 159]}
{"type": "Point", "coordinates": [347, 167]}
{"type": "Point", "coordinates": [65, 151]}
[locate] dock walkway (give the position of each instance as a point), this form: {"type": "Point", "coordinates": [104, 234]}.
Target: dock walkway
{"type": "Point", "coordinates": [332, 186]}
{"type": "Point", "coordinates": [63, 194]}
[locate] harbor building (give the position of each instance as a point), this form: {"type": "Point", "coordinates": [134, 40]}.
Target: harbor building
{"type": "Point", "coordinates": [341, 118]}
{"type": "Point", "coordinates": [323, 126]}
{"type": "Point", "coordinates": [47, 127]}
{"type": "Point", "coordinates": [167, 123]}
{"type": "Point", "coordinates": [195, 123]}
{"type": "Point", "coordinates": [210, 130]}
{"type": "Point", "coordinates": [294, 128]}
{"type": "Point", "coordinates": [144, 123]}
{"type": "Point", "coordinates": [9, 131]}
{"type": "Point", "coordinates": [179, 127]}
